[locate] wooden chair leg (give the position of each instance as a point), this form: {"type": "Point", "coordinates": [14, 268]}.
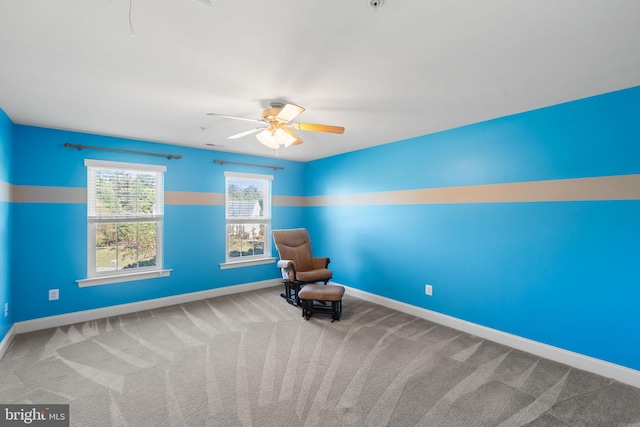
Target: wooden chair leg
{"type": "Point", "coordinates": [306, 308]}
{"type": "Point", "coordinates": [291, 293]}
{"type": "Point", "coordinates": [296, 290]}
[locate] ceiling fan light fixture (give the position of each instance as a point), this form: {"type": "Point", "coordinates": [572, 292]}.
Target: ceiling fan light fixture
{"type": "Point", "coordinates": [266, 138]}
{"type": "Point", "coordinates": [283, 138]}
{"type": "Point", "coordinates": [275, 138]}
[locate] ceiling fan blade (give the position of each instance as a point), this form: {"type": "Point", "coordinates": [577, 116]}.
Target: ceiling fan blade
{"type": "Point", "coordinates": [318, 128]}
{"type": "Point", "coordinates": [245, 133]}
{"type": "Point", "coordinates": [236, 117]}
{"type": "Point", "coordinates": [289, 112]}
{"type": "Point", "coordinates": [298, 141]}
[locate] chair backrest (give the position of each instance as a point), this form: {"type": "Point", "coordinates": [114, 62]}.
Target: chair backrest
{"type": "Point", "coordinates": [294, 245]}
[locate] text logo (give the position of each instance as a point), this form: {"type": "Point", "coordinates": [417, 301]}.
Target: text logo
{"type": "Point", "coordinates": [34, 415]}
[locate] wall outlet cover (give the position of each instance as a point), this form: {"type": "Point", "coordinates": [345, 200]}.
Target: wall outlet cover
{"type": "Point", "coordinates": [54, 294]}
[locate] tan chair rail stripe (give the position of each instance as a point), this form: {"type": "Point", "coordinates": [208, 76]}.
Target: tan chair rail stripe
{"type": "Point", "coordinates": [624, 187]}
{"type": "Point", "coordinates": [40, 194]}
{"type": "Point", "coordinates": [193, 198]}
{"type": "Point", "coordinates": [289, 200]}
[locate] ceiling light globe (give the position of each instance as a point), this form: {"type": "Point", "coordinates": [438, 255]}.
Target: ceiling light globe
{"type": "Point", "coordinates": [266, 138]}
{"type": "Point", "coordinates": [280, 136]}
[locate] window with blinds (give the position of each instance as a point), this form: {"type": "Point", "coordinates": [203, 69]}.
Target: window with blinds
{"type": "Point", "coordinates": [125, 204]}
{"type": "Point", "coordinates": [248, 216]}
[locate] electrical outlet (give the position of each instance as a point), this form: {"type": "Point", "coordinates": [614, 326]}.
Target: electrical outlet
{"type": "Point", "coordinates": [428, 289]}
{"type": "Point", "coordinates": [54, 294]}
{"type": "Point", "coordinates": [6, 309]}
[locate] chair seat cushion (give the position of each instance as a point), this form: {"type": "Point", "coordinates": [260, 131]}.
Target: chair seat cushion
{"type": "Point", "coordinates": [322, 292]}
{"type": "Point", "coordinates": [318, 275]}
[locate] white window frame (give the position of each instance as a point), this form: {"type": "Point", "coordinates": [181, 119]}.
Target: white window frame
{"type": "Point", "coordinates": [95, 277]}
{"type": "Point", "coordinates": [265, 220]}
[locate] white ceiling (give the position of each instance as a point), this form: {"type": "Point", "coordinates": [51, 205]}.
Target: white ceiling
{"type": "Point", "coordinates": [411, 68]}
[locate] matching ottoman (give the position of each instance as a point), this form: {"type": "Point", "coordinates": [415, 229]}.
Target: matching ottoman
{"type": "Point", "coordinates": [321, 299]}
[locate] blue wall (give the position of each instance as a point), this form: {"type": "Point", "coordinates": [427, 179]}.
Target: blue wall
{"type": "Point", "coordinates": [6, 129]}
{"type": "Point", "coordinates": [50, 250]}
{"type": "Point", "coordinates": [558, 272]}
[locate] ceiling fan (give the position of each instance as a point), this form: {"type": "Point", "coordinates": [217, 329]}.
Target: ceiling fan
{"type": "Point", "coordinates": [276, 128]}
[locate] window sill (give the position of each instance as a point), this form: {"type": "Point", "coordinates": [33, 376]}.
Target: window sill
{"type": "Point", "coordinates": [120, 278]}
{"type": "Point", "coordinates": [246, 263]}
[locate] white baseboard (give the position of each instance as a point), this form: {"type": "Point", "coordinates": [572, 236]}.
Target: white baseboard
{"type": "Point", "coordinates": [576, 360]}
{"type": "Point", "coordinates": [4, 344]}
{"type": "Point", "coordinates": [118, 310]}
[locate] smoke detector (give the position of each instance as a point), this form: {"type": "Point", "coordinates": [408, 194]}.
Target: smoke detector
{"type": "Point", "coordinates": [375, 4]}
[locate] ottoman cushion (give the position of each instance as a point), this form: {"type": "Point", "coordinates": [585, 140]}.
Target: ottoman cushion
{"type": "Point", "coordinates": [321, 292]}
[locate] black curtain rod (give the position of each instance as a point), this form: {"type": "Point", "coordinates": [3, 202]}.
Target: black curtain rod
{"type": "Point", "coordinates": [115, 150]}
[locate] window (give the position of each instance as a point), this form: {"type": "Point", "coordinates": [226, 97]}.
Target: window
{"type": "Point", "coordinates": [248, 217]}
{"type": "Point", "coordinates": [124, 217]}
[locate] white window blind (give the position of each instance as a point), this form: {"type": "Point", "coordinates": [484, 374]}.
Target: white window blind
{"type": "Point", "coordinates": [124, 190]}
{"type": "Point", "coordinates": [248, 216]}
{"type": "Point", "coordinates": [125, 206]}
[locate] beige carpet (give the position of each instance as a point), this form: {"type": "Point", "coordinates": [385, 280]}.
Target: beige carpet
{"type": "Point", "coordinates": [250, 360]}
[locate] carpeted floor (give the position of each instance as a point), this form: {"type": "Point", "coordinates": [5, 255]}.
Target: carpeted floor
{"type": "Point", "coordinates": [250, 359]}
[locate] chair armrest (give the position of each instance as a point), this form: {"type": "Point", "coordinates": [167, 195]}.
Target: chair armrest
{"type": "Point", "coordinates": [288, 270]}
{"type": "Point", "coordinates": [286, 263]}
{"type": "Point", "coordinates": [320, 262]}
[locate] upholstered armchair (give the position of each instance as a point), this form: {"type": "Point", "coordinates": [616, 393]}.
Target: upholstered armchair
{"type": "Point", "coordinates": [297, 265]}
